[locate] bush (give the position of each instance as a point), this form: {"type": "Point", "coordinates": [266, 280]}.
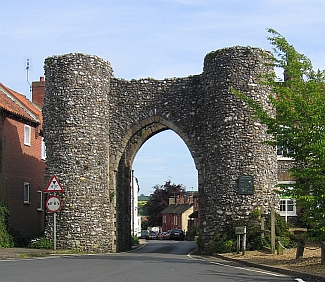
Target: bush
{"type": "Point", "coordinates": [19, 239]}
{"type": "Point", "coordinates": [223, 243]}
{"type": "Point", "coordinates": [6, 240]}
{"type": "Point", "coordinates": [227, 240]}
{"type": "Point", "coordinates": [135, 241]}
{"type": "Point", "coordinates": [199, 242]}
{"type": "Point", "coordinates": [223, 247]}
{"type": "Point", "coordinates": [194, 232]}
{"type": "Point", "coordinates": [40, 243]}
{"type": "Point", "coordinates": [254, 240]}
{"type": "Point", "coordinates": [253, 234]}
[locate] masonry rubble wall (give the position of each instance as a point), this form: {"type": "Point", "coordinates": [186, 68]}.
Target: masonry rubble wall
{"type": "Point", "coordinates": [76, 132]}
{"type": "Point", "coordinates": [95, 123]}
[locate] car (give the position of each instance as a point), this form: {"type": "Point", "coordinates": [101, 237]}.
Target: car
{"type": "Point", "coordinates": [144, 234]}
{"type": "Point", "coordinates": [153, 235]}
{"type": "Point", "coordinates": [163, 236]}
{"type": "Point", "coordinates": [177, 234]}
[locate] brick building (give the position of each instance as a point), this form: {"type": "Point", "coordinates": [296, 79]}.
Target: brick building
{"type": "Point", "coordinates": [22, 159]}
{"type": "Point", "coordinates": [177, 214]}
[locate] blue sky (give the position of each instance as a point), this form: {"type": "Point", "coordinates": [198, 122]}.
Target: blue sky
{"type": "Point", "coordinates": [150, 38]}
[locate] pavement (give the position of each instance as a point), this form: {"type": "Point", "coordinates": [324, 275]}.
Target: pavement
{"type": "Point", "coordinates": [294, 273]}
{"type": "Point", "coordinates": [16, 253]}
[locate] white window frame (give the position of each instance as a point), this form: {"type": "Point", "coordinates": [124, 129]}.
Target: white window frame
{"type": "Point", "coordinates": [27, 135]}
{"type": "Point", "coordinates": [26, 193]}
{"type": "Point", "coordinates": [43, 150]}
{"type": "Point", "coordinates": [40, 200]}
{"type": "Point", "coordinates": [175, 220]}
{"type": "Point", "coordinates": [288, 202]}
{"type": "Point", "coordinates": [282, 151]}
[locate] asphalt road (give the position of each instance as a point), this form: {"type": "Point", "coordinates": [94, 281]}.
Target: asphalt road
{"type": "Point", "coordinates": [156, 261]}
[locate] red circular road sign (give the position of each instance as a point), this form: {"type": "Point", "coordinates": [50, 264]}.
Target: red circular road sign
{"type": "Point", "coordinates": [53, 204]}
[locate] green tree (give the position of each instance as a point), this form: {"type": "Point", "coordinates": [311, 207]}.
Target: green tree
{"type": "Point", "coordinates": [6, 240]}
{"type": "Point", "coordinates": [159, 201]}
{"type": "Point", "coordinates": [298, 127]}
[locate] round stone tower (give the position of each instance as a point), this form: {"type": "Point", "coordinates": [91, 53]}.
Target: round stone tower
{"type": "Point", "coordinates": [240, 172]}
{"type": "Point", "coordinates": [76, 131]}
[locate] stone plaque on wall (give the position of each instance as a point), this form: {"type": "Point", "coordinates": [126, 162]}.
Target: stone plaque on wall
{"type": "Point", "coordinates": [246, 185]}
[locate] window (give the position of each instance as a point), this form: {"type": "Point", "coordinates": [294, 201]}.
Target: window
{"type": "Point", "coordinates": [287, 204]}
{"type": "Point", "coordinates": [26, 193]}
{"type": "Point", "coordinates": [27, 134]}
{"type": "Point", "coordinates": [175, 219]}
{"type": "Point", "coordinates": [283, 151]}
{"type": "Point", "coordinates": [43, 150]}
{"type": "Point", "coordinates": [287, 208]}
{"type": "Point", "coordinates": [40, 201]}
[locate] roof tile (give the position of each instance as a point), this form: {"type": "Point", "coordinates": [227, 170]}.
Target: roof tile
{"type": "Point", "coordinates": [177, 209]}
{"type": "Point", "coordinates": [17, 104]}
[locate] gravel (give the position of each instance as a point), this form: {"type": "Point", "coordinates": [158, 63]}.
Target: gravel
{"type": "Point", "coordinates": [310, 262]}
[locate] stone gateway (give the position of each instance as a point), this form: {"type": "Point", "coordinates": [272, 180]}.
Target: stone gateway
{"type": "Point", "coordinates": [94, 124]}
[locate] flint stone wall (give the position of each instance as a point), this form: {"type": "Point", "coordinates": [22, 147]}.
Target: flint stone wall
{"type": "Point", "coordinates": [94, 124]}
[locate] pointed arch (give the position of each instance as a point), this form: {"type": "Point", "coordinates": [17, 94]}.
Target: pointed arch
{"type": "Point", "coordinates": [138, 134]}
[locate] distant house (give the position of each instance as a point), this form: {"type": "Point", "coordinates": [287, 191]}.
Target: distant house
{"type": "Point", "coordinates": [177, 214]}
{"type": "Point", "coordinates": [194, 218]}
{"type": "Point", "coordinates": [22, 159]}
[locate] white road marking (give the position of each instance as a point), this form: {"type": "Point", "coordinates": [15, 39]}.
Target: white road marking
{"type": "Point", "coordinates": [242, 268]}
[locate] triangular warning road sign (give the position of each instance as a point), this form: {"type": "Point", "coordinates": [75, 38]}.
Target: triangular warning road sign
{"type": "Point", "coordinates": [54, 185]}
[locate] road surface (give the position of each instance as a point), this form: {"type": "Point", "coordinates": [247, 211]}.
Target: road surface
{"type": "Point", "coordinates": [156, 261]}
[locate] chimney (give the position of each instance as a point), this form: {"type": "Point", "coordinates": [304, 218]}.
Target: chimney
{"type": "Point", "coordinates": [38, 88]}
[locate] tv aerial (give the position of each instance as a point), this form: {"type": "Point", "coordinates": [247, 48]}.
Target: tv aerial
{"type": "Point", "coordinates": [27, 73]}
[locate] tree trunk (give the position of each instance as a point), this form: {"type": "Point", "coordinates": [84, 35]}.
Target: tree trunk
{"type": "Point", "coordinates": [300, 248]}
{"type": "Point", "coordinates": [280, 246]}
{"type": "Point", "coordinates": [323, 253]}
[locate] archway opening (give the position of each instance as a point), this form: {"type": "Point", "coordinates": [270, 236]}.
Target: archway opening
{"type": "Point", "coordinates": [142, 135]}
{"type": "Point", "coordinates": [162, 158]}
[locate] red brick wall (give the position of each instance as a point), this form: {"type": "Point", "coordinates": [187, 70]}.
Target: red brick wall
{"type": "Point", "coordinates": [38, 88]}
{"type": "Point", "coordinates": [169, 224]}
{"type": "Point", "coordinates": [196, 208]}
{"type": "Point", "coordinates": [21, 164]}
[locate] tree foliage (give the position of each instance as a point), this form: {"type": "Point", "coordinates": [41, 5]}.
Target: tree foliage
{"type": "Point", "coordinates": [298, 127]}
{"type": "Point", "coordinates": [159, 200]}
{"type": "Point", "coordinates": [6, 240]}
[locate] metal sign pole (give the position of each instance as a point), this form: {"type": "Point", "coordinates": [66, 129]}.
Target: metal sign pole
{"type": "Point", "coordinates": [53, 203]}
{"type": "Point", "coordinates": [244, 241]}
{"type": "Point", "coordinates": [54, 231]}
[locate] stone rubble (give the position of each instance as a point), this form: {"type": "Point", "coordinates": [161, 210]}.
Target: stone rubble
{"type": "Point", "coordinates": [94, 124]}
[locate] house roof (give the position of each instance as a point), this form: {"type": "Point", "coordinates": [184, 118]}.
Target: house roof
{"type": "Point", "coordinates": [18, 105]}
{"type": "Point", "coordinates": [194, 214]}
{"type": "Point", "coordinates": [177, 209]}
